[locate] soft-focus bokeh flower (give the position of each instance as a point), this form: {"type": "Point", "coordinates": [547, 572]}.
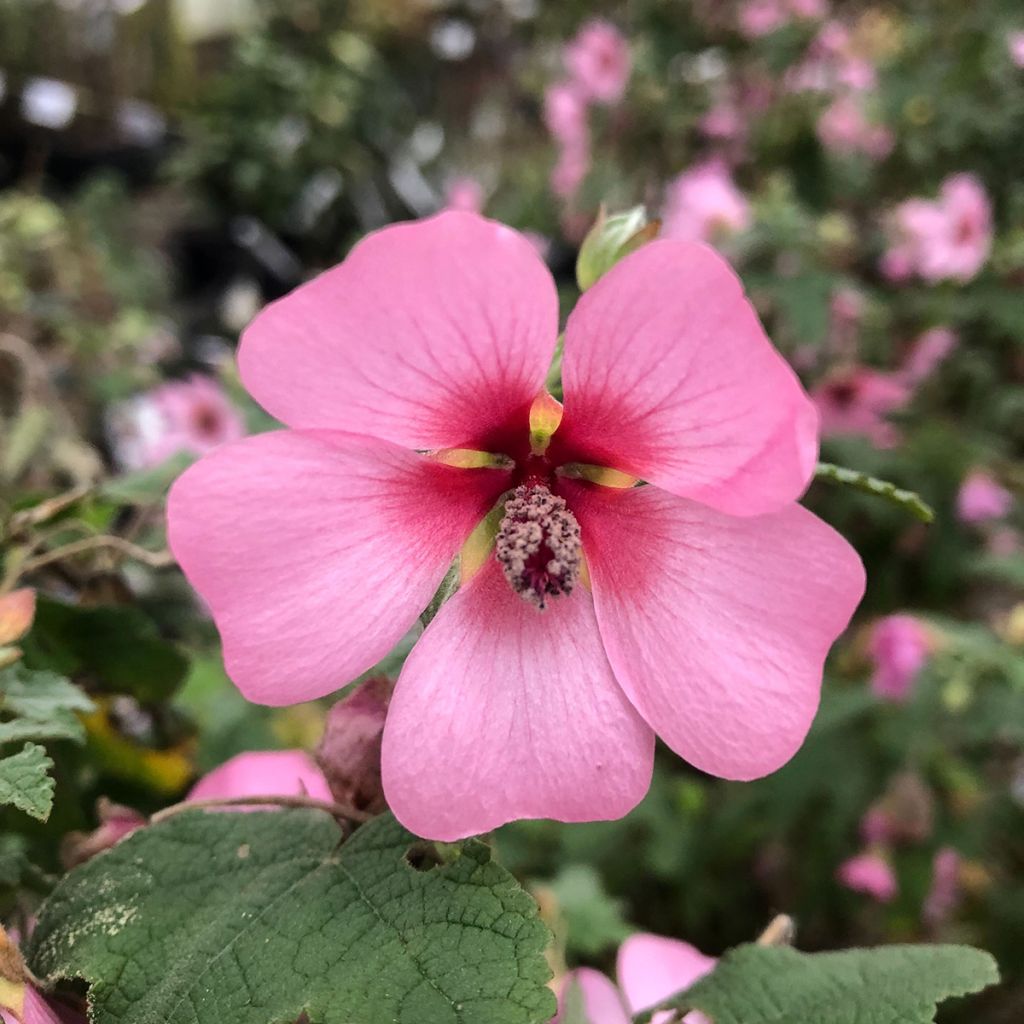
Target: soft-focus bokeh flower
{"type": "Point", "coordinates": [649, 968]}
{"type": "Point", "coordinates": [761, 17]}
{"type": "Point", "coordinates": [714, 596]}
{"type": "Point", "coordinates": [945, 239]}
{"type": "Point", "coordinates": [856, 401]}
{"type": "Point", "coordinates": [704, 204]}
{"type": "Point", "coordinates": [899, 648]}
{"type": "Point", "coordinates": [944, 894]}
{"type": "Point", "coordinates": [927, 353]}
{"type": "Point", "coordinates": [191, 415]}
{"type": "Point", "coordinates": [598, 62]}
{"type": "Point", "coordinates": [981, 499]}
{"type": "Point", "coordinates": [1015, 44]}
{"type": "Point", "coordinates": [869, 873]}
{"type": "Point", "coordinates": [845, 129]}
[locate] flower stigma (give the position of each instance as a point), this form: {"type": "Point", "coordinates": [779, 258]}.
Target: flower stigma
{"type": "Point", "coordinates": [538, 544]}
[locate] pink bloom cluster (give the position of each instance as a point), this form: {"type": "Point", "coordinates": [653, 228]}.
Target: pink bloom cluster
{"type": "Point", "coordinates": [869, 873]}
{"type": "Point", "coordinates": [758, 18]}
{"type": "Point", "coordinates": [845, 129]}
{"type": "Point", "coordinates": [833, 64]}
{"type": "Point", "coordinates": [649, 969]}
{"type": "Point", "coordinates": [704, 204]}
{"type": "Point", "coordinates": [899, 648]}
{"type": "Point", "coordinates": [598, 65]}
{"type": "Point", "coordinates": [982, 499]}
{"type": "Point", "coordinates": [948, 238]}
{"type": "Point", "coordinates": [192, 415]}
{"type": "Point", "coordinates": [411, 380]}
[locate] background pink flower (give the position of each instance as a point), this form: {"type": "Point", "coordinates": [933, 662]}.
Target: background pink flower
{"type": "Point", "coordinates": [650, 969]}
{"type": "Point", "coordinates": [899, 648]}
{"type": "Point", "coordinates": [927, 353]}
{"type": "Point", "coordinates": [944, 894]}
{"type": "Point", "coordinates": [1015, 44]}
{"type": "Point", "coordinates": [856, 400]}
{"type": "Point", "coordinates": [598, 62]}
{"type": "Point", "coordinates": [317, 547]}
{"type": "Point", "coordinates": [703, 204]}
{"type": "Point", "coordinates": [982, 499]}
{"type": "Point", "coordinates": [762, 17]}
{"type": "Point", "coordinates": [844, 129]}
{"type": "Point", "coordinates": [871, 874]}
{"type": "Point", "coordinates": [191, 415]}
{"type": "Point", "coordinates": [464, 193]}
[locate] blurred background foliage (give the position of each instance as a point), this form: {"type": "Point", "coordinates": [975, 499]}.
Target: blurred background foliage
{"type": "Point", "coordinates": [167, 166]}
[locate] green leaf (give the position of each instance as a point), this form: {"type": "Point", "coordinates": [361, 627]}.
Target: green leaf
{"type": "Point", "coordinates": [219, 918]}
{"type": "Point", "coordinates": [890, 985]}
{"type": "Point", "coordinates": [593, 918]}
{"type": "Point", "coordinates": [25, 781]}
{"type": "Point", "coordinates": [146, 486]}
{"type": "Point", "coordinates": [118, 646]}
{"type": "Point", "coordinates": [40, 706]}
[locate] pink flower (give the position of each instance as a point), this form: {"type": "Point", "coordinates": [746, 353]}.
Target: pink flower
{"type": "Point", "coordinates": [570, 170]}
{"type": "Point", "coordinates": [711, 597]}
{"type": "Point", "coordinates": [1015, 44]}
{"type": "Point", "coordinates": [832, 64]}
{"type": "Point", "coordinates": [844, 129]}
{"type": "Point", "coordinates": [944, 894]}
{"type": "Point", "coordinates": [263, 773]}
{"type": "Point", "coordinates": [724, 121]}
{"type": "Point", "coordinates": [20, 1001]}
{"type": "Point", "coordinates": [762, 17]}
{"type": "Point", "coordinates": [704, 203]}
{"type": "Point", "coordinates": [899, 649]}
{"type": "Point", "coordinates": [464, 193]}
{"type": "Point", "coordinates": [927, 353]}
{"type": "Point", "coordinates": [650, 969]}
{"type": "Point", "coordinates": [948, 238]}
{"type": "Point", "coordinates": [981, 499]}
{"type": "Point", "coordinates": [810, 9]}
{"type": "Point", "coordinates": [855, 400]}
{"type": "Point", "coordinates": [598, 62]}
{"type": "Point", "coordinates": [192, 415]}
{"type": "Point", "coordinates": [876, 827]}
{"type": "Point", "coordinates": [871, 874]}
{"type": "Point", "coordinates": [565, 114]}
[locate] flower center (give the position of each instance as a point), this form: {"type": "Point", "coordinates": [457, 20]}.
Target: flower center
{"type": "Point", "coordinates": [538, 544]}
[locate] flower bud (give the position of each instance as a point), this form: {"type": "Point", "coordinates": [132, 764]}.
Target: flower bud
{"type": "Point", "coordinates": [609, 240]}
{"type": "Point", "coordinates": [116, 822]}
{"type": "Point", "coordinates": [17, 610]}
{"type": "Point", "coordinates": [349, 753]}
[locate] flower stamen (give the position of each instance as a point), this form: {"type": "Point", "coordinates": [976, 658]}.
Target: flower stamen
{"type": "Point", "coordinates": [538, 545]}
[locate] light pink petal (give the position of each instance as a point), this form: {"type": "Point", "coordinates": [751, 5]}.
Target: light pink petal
{"type": "Point", "coordinates": [39, 1011]}
{"type": "Point", "coordinates": [503, 712]}
{"type": "Point", "coordinates": [717, 627]}
{"type": "Point", "coordinates": [652, 968]}
{"type": "Point", "coordinates": [430, 334]}
{"type": "Point", "coordinates": [669, 376]}
{"type": "Point", "coordinates": [602, 1003]}
{"type": "Point", "coordinates": [317, 551]}
{"type": "Point", "coordinates": [263, 773]}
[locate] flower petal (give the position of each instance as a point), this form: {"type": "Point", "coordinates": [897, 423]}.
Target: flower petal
{"type": "Point", "coordinates": [430, 334]}
{"type": "Point", "coordinates": [651, 968]}
{"type": "Point", "coordinates": [717, 627]}
{"type": "Point", "coordinates": [503, 712]}
{"type": "Point", "coordinates": [263, 773]}
{"type": "Point", "coordinates": [316, 551]}
{"type": "Point", "coordinates": [602, 1003]}
{"type": "Point", "coordinates": [669, 376]}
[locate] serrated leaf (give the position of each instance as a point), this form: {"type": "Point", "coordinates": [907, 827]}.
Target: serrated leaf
{"type": "Point", "coordinates": [220, 918]}
{"type": "Point", "coordinates": [116, 645]}
{"type": "Point", "coordinates": [890, 985]}
{"type": "Point", "coordinates": [40, 706]}
{"type": "Point", "coordinates": [25, 781]}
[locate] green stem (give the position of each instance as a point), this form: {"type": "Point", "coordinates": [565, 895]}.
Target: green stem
{"type": "Point", "coordinates": [908, 500]}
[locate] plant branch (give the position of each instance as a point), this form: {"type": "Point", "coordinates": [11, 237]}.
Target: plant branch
{"type": "Point", "coordinates": [154, 559]}
{"type": "Point", "coordinates": [908, 500]}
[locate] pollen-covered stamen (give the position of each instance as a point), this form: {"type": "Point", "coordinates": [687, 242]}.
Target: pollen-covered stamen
{"type": "Point", "coordinates": [538, 544]}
